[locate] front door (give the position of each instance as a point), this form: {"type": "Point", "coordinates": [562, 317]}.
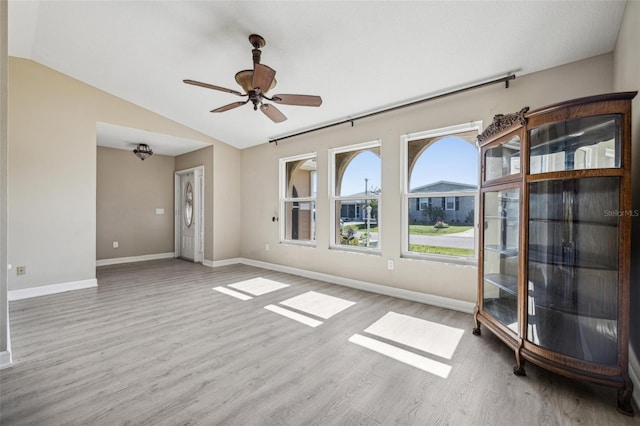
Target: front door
{"type": "Point", "coordinates": [188, 217]}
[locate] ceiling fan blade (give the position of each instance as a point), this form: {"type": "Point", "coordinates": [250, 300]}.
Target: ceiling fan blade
{"type": "Point", "coordinates": [230, 106]}
{"type": "Point", "coordinates": [211, 86]}
{"type": "Point", "coordinates": [273, 113]}
{"type": "Point", "coordinates": [302, 100]}
{"type": "Point", "coordinates": [262, 77]}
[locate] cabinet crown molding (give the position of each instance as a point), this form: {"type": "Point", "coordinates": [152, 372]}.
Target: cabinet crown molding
{"type": "Point", "coordinates": [502, 122]}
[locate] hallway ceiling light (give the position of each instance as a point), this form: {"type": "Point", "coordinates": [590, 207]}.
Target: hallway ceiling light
{"type": "Point", "coordinates": [143, 151]}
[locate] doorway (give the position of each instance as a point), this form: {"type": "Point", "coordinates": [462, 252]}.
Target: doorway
{"type": "Point", "coordinates": [189, 214]}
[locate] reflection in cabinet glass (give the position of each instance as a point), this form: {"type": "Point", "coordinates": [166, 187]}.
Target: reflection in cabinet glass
{"type": "Point", "coordinates": [584, 143]}
{"type": "Point", "coordinates": [573, 267]}
{"type": "Point", "coordinates": [503, 159]}
{"type": "Point", "coordinates": [553, 273]}
{"type": "Point", "coordinates": [500, 293]}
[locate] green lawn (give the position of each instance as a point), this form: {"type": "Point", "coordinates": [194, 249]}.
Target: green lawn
{"type": "Point", "coordinates": [430, 230]}
{"type": "Point", "coordinates": [414, 229]}
{"type": "Point", "coordinates": [450, 251]}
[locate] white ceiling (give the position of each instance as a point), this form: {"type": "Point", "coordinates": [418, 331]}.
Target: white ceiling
{"type": "Point", "coordinates": [359, 56]}
{"type": "Point", "coordinates": [120, 137]}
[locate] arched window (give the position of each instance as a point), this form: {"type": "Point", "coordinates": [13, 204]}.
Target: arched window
{"type": "Point", "coordinates": [355, 194]}
{"type": "Point", "coordinates": [441, 191]}
{"type": "Point", "coordinates": [298, 188]}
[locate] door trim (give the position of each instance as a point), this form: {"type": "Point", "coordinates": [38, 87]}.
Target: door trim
{"type": "Point", "coordinates": [198, 189]}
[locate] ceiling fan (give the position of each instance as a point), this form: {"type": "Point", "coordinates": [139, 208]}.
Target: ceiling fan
{"type": "Point", "coordinates": [256, 83]}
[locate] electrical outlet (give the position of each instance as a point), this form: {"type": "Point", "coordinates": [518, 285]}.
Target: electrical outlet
{"type": "Point", "coordinates": [115, 244]}
{"type": "Point", "coordinates": [390, 264]}
{"type": "Point", "coordinates": [266, 247]}
{"type": "Point", "coordinates": [21, 270]}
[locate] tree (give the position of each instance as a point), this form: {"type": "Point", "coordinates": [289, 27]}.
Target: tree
{"type": "Point", "coordinates": [434, 214]}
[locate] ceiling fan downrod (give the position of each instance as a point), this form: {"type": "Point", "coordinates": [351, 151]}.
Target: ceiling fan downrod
{"type": "Point", "coordinates": [257, 42]}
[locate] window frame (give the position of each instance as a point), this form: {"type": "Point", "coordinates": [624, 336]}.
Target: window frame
{"type": "Point", "coordinates": [407, 196]}
{"type": "Point", "coordinates": [333, 198]}
{"type": "Point", "coordinates": [449, 199]}
{"type": "Point", "coordinates": [283, 200]}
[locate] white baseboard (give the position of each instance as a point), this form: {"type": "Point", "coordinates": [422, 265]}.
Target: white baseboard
{"type": "Point", "coordinates": [225, 262]}
{"type": "Point", "coordinates": [45, 290]}
{"type": "Point", "coordinates": [414, 296]}
{"type": "Point", "coordinates": [634, 374]}
{"type": "Point", "coordinates": [143, 258]}
{"type": "Point", "coordinates": [5, 359]}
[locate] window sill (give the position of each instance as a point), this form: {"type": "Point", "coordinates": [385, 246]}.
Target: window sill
{"type": "Point", "coordinates": [356, 249]}
{"type": "Point", "coordinates": [441, 258]}
{"type": "Point", "coordinates": [308, 244]}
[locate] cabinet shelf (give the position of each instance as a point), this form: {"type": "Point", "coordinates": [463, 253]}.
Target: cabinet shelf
{"type": "Point", "coordinates": [610, 224]}
{"type": "Point", "coordinates": [505, 282]}
{"type": "Point", "coordinates": [582, 337]}
{"type": "Point", "coordinates": [569, 265]}
{"type": "Point", "coordinates": [508, 218]}
{"type": "Point", "coordinates": [504, 310]}
{"type": "Point", "coordinates": [504, 251]}
{"type": "Point", "coordinates": [570, 258]}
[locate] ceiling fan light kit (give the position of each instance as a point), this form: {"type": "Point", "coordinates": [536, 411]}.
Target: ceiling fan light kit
{"type": "Point", "coordinates": [256, 83]}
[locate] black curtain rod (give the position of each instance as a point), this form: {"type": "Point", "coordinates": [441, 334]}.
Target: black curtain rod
{"type": "Point", "coordinates": [504, 80]}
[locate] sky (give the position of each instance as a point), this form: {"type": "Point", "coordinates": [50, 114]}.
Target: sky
{"type": "Point", "coordinates": [449, 158]}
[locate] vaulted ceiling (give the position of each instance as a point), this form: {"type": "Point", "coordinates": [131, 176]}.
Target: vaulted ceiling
{"type": "Point", "coordinates": [359, 56]}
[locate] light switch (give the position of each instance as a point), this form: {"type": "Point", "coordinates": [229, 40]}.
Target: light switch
{"type": "Point", "coordinates": [159, 211]}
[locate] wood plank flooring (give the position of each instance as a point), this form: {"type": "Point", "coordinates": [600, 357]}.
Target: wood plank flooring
{"type": "Point", "coordinates": [155, 345]}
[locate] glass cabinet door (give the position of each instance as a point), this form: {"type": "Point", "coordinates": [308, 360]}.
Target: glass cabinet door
{"type": "Point", "coordinates": [573, 267]}
{"type": "Point", "coordinates": [500, 256]}
{"type": "Point", "coordinates": [502, 159]}
{"type": "Point", "coordinates": [583, 143]}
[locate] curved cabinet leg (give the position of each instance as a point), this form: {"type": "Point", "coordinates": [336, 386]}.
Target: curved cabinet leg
{"type": "Point", "coordinates": [624, 398]}
{"type": "Point", "coordinates": [519, 370]}
{"type": "Point", "coordinates": [476, 329]}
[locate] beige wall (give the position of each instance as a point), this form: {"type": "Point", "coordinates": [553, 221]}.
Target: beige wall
{"type": "Point", "coordinates": [128, 192]}
{"type": "Point", "coordinates": [223, 207]}
{"type": "Point", "coordinates": [52, 173]}
{"type": "Point", "coordinates": [626, 77]}
{"type": "Point", "coordinates": [4, 312]}
{"type": "Point", "coordinates": [203, 157]}
{"type": "Point", "coordinates": [260, 179]}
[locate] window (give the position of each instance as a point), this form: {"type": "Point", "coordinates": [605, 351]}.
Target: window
{"type": "Point", "coordinates": [450, 203]}
{"type": "Point", "coordinates": [440, 192]}
{"type": "Point", "coordinates": [423, 203]}
{"type": "Point", "coordinates": [298, 190]}
{"type": "Point", "coordinates": [355, 196]}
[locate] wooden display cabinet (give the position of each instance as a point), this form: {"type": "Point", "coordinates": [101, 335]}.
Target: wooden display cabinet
{"type": "Point", "coordinates": [555, 215]}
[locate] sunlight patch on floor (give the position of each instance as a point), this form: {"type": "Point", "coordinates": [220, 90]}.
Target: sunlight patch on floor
{"type": "Point", "coordinates": [423, 363]}
{"type": "Point", "coordinates": [258, 286]}
{"type": "Point", "coordinates": [318, 304]}
{"type": "Point", "coordinates": [294, 315]}
{"type": "Point", "coordinates": [426, 337]}
{"type": "Point", "coordinates": [232, 293]}
{"type": "Point", "coordinates": [315, 304]}
{"type": "Point", "coordinates": [437, 339]}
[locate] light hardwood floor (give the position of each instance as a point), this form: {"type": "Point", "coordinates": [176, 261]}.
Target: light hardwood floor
{"type": "Point", "coordinates": [155, 345]}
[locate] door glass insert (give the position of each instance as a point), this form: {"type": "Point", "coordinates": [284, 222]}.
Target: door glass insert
{"type": "Point", "coordinates": [188, 205]}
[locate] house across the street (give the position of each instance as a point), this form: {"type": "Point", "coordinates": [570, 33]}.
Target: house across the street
{"type": "Point", "coordinates": [451, 202]}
